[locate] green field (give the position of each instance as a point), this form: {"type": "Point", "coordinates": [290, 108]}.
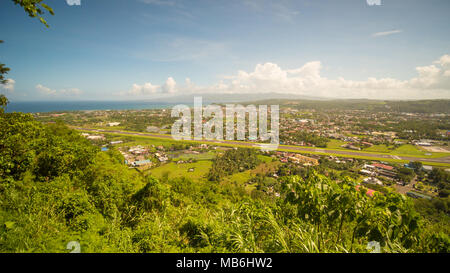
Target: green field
{"type": "Point", "coordinates": [408, 149]}
{"type": "Point", "coordinates": [335, 144]}
{"type": "Point", "coordinates": [202, 156]}
{"type": "Point", "coordinates": [241, 177]}
{"type": "Point", "coordinates": [378, 149]}
{"type": "Point", "coordinates": [201, 169]}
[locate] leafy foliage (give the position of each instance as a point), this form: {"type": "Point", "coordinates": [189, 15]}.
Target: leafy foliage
{"type": "Point", "coordinates": [233, 161]}
{"type": "Point", "coordinates": [35, 8]}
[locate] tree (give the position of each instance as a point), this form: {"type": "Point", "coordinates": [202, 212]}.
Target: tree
{"type": "Point", "coordinates": [3, 70]}
{"type": "Point", "coordinates": [3, 102]}
{"type": "Point", "coordinates": [416, 165]}
{"type": "Point", "coordinates": [35, 8]}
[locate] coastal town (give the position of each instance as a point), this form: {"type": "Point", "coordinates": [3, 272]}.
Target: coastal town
{"type": "Point", "coordinates": [357, 131]}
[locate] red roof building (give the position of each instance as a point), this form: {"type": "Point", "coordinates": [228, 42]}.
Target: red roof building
{"type": "Point", "coordinates": [369, 192]}
{"type": "Point", "coordinates": [382, 166]}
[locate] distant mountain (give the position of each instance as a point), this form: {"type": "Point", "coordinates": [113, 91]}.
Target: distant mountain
{"type": "Point", "coordinates": [230, 98]}
{"type": "Point", "coordinates": [413, 106]}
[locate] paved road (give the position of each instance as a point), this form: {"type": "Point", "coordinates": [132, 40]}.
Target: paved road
{"type": "Point", "coordinates": [290, 147]}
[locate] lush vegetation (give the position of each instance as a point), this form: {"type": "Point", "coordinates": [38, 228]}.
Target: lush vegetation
{"type": "Point", "coordinates": [56, 187]}
{"type": "Point", "coordinates": [232, 161]}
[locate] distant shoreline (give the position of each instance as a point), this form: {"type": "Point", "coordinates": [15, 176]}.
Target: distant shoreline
{"type": "Point", "coordinates": [60, 106]}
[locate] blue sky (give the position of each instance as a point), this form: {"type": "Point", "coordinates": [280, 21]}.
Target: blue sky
{"type": "Point", "coordinates": [133, 49]}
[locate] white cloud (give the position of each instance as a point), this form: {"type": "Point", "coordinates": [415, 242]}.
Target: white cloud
{"type": "Point", "coordinates": [8, 86]}
{"type": "Point", "coordinates": [432, 81]}
{"type": "Point", "coordinates": [145, 89]}
{"type": "Point", "coordinates": [61, 92]}
{"type": "Point", "coordinates": [386, 33]}
{"type": "Point", "coordinates": [444, 61]}
{"type": "Point", "coordinates": [73, 2]}
{"type": "Point", "coordinates": [169, 87]}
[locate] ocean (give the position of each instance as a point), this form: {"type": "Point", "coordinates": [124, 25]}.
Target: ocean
{"type": "Point", "coordinates": [58, 106]}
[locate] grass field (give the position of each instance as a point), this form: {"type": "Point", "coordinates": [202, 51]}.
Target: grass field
{"type": "Point", "coordinates": [202, 156]}
{"type": "Point", "coordinates": [264, 158]}
{"type": "Point", "coordinates": [201, 169]}
{"type": "Point", "coordinates": [408, 149]}
{"type": "Point", "coordinates": [378, 149]}
{"type": "Point", "coordinates": [242, 177]}
{"type": "Point", "coordinates": [335, 144]}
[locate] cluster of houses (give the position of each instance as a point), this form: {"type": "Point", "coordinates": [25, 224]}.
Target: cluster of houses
{"type": "Point", "coordinates": [344, 126]}
{"type": "Point", "coordinates": [297, 159]}
{"type": "Point", "coordinates": [138, 156]}
{"type": "Point", "coordinates": [378, 169]}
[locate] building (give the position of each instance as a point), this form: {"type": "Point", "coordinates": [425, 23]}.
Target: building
{"type": "Point", "coordinates": [418, 195]}
{"type": "Point", "coordinates": [95, 137]}
{"type": "Point", "coordinates": [110, 124]}
{"type": "Point", "coordinates": [423, 144]}
{"type": "Point", "coordinates": [152, 129]}
{"type": "Point", "coordinates": [298, 158]}
{"type": "Point", "coordinates": [383, 166]}
{"type": "Point", "coordinates": [366, 172]}
{"type": "Point", "coordinates": [351, 147]}
{"type": "Point", "coordinates": [369, 192]}
{"type": "Point", "coordinates": [140, 163]}
{"type": "Point", "coordinates": [373, 181]}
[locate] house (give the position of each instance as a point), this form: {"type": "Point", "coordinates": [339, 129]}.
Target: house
{"type": "Point", "coordinates": [423, 144]}
{"type": "Point", "coordinates": [418, 195]}
{"type": "Point", "coordinates": [298, 158]}
{"type": "Point", "coordinates": [369, 192]}
{"type": "Point", "coordinates": [373, 181]}
{"type": "Point", "coordinates": [116, 142]}
{"type": "Point", "coordinates": [366, 172]}
{"type": "Point", "coordinates": [110, 124]}
{"type": "Point", "coordinates": [383, 166]}
{"type": "Point", "coordinates": [351, 147]}
{"type": "Point", "coordinates": [138, 150]}
{"type": "Point", "coordinates": [366, 143]}
{"type": "Point", "coordinates": [95, 137]}
{"type": "Point", "coordinates": [152, 129]}
{"type": "Point", "coordinates": [140, 163]}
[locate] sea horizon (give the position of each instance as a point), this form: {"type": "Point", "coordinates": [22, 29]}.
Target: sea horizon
{"type": "Point", "coordinates": [60, 106]}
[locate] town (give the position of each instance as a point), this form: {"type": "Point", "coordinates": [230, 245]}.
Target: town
{"type": "Point", "coordinates": [341, 139]}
